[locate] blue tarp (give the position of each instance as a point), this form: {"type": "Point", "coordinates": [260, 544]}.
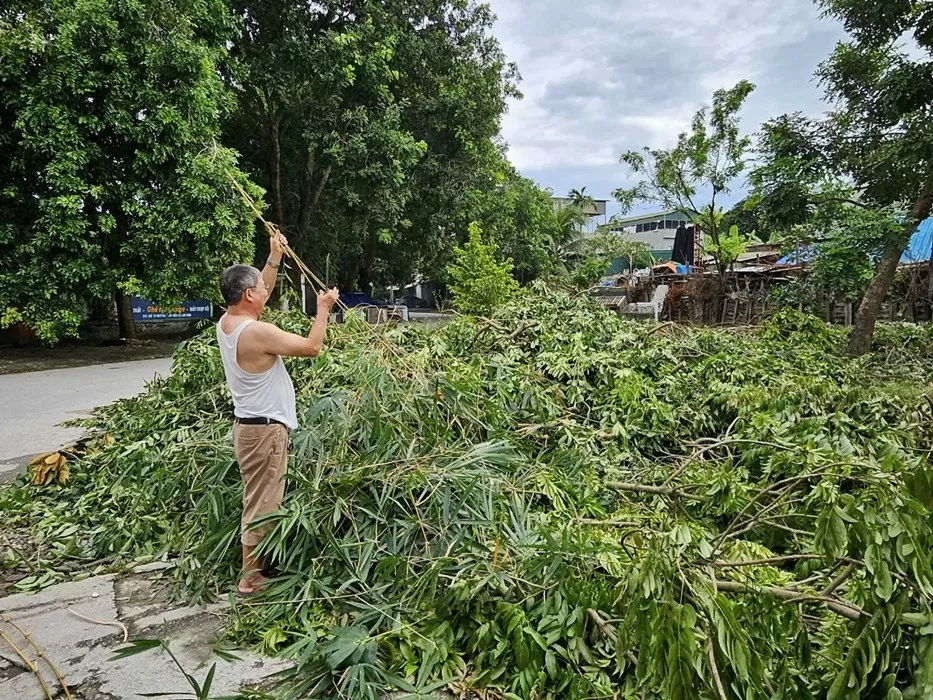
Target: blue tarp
{"type": "Point", "coordinates": [800, 256]}
{"type": "Point", "coordinates": [921, 243]}
{"type": "Point", "coordinates": [918, 250]}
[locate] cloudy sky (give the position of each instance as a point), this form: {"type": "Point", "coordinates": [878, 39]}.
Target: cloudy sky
{"type": "Point", "coordinates": [604, 76]}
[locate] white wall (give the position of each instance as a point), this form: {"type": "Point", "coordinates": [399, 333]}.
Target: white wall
{"type": "Point", "coordinates": [656, 240]}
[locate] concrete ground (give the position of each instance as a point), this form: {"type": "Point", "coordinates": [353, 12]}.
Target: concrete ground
{"type": "Point", "coordinates": [82, 651]}
{"type": "Point", "coordinates": [34, 403]}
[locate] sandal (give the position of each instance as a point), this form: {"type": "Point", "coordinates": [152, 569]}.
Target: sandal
{"type": "Point", "coordinates": [250, 590]}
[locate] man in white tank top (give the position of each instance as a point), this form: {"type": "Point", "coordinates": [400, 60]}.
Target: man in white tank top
{"type": "Point", "coordinates": [263, 395]}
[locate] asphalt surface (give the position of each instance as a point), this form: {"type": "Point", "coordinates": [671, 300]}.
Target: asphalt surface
{"type": "Point", "coordinates": [34, 403]}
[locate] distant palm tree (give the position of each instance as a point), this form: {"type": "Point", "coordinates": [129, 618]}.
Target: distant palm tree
{"type": "Point", "coordinates": [581, 200]}
{"type": "Point", "coordinates": [586, 204]}
{"type": "Point", "coordinates": [567, 235]}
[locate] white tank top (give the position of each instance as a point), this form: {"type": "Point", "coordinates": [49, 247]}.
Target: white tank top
{"type": "Point", "coordinates": [269, 394]}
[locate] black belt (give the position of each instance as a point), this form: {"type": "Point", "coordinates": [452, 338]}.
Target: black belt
{"type": "Point", "coordinates": [260, 421]}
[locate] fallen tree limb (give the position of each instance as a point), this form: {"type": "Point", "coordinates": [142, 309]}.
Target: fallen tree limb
{"type": "Point", "coordinates": [658, 329]}
{"type": "Point", "coordinates": [521, 328]}
{"type": "Point", "coordinates": [607, 631]}
{"type": "Point", "coordinates": [846, 610]}
{"type": "Point", "coordinates": [765, 562]}
{"type": "Point", "coordinates": [659, 490]}
{"type": "Point", "coordinates": [607, 523]}
{"type": "Point", "coordinates": [840, 579]}
{"type": "Point", "coordinates": [603, 626]}
{"type": "Point", "coordinates": [714, 667]}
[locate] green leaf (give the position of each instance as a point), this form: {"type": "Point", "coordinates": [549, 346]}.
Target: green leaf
{"type": "Point", "coordinates": [915, 619]}
{"type": "Point", "coordinates": [138, 646]}
{"type": "Point", "coordinates": [884, 584]}
{"type": "Point", "coordinates": [204, 693]}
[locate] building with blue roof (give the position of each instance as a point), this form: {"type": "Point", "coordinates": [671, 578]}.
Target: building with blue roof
{"type": "Point", "coordinates": [919, 249]}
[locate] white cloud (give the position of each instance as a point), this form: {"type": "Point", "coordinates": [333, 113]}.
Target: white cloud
{"type": "Point", "coordinates": [604, 76]}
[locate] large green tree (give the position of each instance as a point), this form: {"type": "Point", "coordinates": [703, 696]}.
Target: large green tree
{"type": "Point", "coordinates": [877, 142]}
{"type": "Point", "coordinates": [567, 236]}
{"type": "Point", "coordinates": [517, 216]}
{"type": "Point", "coordinates": [369, 123]}
{"type": "Point", "coordinates": [692, 176]}
{"type": "Point", "coordinates": [110, 182]}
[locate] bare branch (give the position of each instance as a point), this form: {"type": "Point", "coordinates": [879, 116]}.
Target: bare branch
{"type": "Point", "coordinates": [847, 610]}
{"type": "Point", "coordinates": [841, 200]}
{"type": "Point", "coordinates": [660, 490]}
{"type": "Point", "coordinates": [714, 668]}
{"type": "Point", "coordinates": [765, 562]}
{"type": "Point", "coordinates": [840, 579]}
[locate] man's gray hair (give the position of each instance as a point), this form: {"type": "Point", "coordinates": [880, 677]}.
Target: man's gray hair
{"type": "Point", "coordinates": [236, 279]}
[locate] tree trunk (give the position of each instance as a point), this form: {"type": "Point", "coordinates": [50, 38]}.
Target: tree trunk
{"type": "Point", "coordinates": [863, 330]}
{"type": "Point", "coordinates": [310, 195]}
{"type": "Point", "coordinates": [367, 263]}
{"type": "Point", "coordinates": [930, 277]}
{"type": "Point", "coordinates": [275, 171]}
{"type": "Point", "coordinates": [125, 316]}
{"type": "Point", "coordinates": [305, 206]}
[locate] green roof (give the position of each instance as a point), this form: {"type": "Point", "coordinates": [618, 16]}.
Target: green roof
{"type": "Point", "coordinates": [675, 214]}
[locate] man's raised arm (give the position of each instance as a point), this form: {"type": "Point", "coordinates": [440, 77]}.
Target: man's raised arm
{"type": "Point", "coordinates": [271, 269]}
{"type": "Point", "coordinates": [275, 341]}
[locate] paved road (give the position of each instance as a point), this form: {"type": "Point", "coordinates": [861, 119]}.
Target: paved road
{"type": "Point", "coordinates": [34, 403]}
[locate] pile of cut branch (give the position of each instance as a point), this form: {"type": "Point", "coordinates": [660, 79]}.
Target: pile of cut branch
{"type": "Point", "coordinates": [551, 503]}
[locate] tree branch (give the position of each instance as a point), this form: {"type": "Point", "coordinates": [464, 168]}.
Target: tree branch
{"type": "Point", "coordinates": [845, 609]}
{"type": "Point", "coordinates": [603, 626]}
{"type": "Point", "coordinates": [659, 490]}
{"type": "Point", "coordinates": [765, 562]}
{"type": "Point", "coordinates": [840, 579]}
{"type": "Point", "coordinates": [325, 176]}
{"type": "Point", "coordinates": [714, 668]}
{"type": "Point", "coordinates": [841, 200]}
{"type": "Point", "coordinates": [608, 632]}
{"type": "Point", "coordinates": [607, 523]}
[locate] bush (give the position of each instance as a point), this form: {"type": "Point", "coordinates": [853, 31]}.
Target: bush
{"type": "Point", "coordinates": [479, 283]}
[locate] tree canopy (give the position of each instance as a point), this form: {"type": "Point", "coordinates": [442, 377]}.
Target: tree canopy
{"type": "Point", "coordinates": [874, 149]}
{"type": "Point", "coordinates": [705, 163]}
{"type": "Point", "coordinates": [371, 125]}
{"type": "Point", "coordinates": [111, 183]}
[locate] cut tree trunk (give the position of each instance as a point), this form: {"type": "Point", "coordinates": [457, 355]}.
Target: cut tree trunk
{"type": "Point", "coordinates": [125, 316]}
{"type": "Point", "coordinates": [863, 330]}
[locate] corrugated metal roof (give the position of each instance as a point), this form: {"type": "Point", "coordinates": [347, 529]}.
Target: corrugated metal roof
{"type": "Point", "coordinates": [652, 216]}
{"type": "Point", "coordinates": [611, 301]}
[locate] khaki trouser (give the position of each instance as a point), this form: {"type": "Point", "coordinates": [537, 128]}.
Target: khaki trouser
{"type": "Point", "coordinates": [262, 453]}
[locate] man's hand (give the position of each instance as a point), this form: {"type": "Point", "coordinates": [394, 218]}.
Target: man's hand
{"type": "Point", "coordinates": [277, 244]}
{"type": "Point", "coordinates": [326, 300]}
